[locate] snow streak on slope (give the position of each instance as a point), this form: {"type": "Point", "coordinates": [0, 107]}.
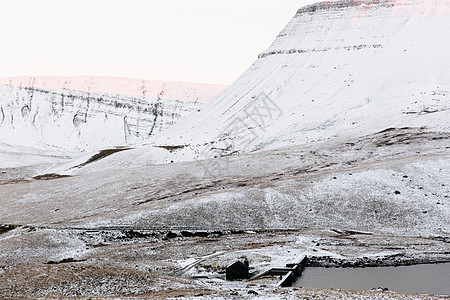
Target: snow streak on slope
{"type": "Point", "coordinates": [72, 120]}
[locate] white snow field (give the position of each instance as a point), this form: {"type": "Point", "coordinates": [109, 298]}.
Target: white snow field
{"type": "Point", "coordinates": [334, 144]}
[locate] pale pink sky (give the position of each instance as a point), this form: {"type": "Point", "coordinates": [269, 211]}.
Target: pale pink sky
{"type": "Point", "coordinates": [121, 86]}
{"type": "Point", "coordinates": [205, 41]}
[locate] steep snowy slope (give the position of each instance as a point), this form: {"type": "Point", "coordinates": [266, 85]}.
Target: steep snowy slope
{"type": "Point", "coordinates": [338, 70]}
{"type": "Point", "coordinates": [87, 119]}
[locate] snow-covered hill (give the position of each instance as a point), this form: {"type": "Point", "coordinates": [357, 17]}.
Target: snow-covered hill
{"type": "Point", "coordinates": [76, 117]}
{"type": "Point", "coordinates": [337, 71]}
{"type": "Point", "coordinates": [343, 68]}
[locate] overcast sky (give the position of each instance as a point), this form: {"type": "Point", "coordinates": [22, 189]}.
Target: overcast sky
{"type": "Point", "coordinates": [180, 40]}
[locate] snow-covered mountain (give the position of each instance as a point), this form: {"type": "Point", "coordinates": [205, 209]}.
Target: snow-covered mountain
{"type": "Point", "coordinates": [342, 68]}
{"type": "Point", "coordinates": [338, 70]}
{"type": "Point", "coordinates": [85, 114]}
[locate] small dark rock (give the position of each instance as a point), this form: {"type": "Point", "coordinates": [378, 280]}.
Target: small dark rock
{"type": "Point", "coordinates": [380, 289]}
{"type": "Point", "coordinates": [6, 228]}
{"type": "Point", "coordinates": [131, 234]}
{"type": "Point", "coordinates": [237, 231]}
{"type": "Point", "coordinates": [64, 261]}
{"type": "Point", "coordinates": [201, 234]}
{"type": "Point", "coordinates": [252, 292]}
{"type": "Point", "coordinates": [171, 235]}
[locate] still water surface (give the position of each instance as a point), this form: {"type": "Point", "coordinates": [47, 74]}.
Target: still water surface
{"type": "Point", "coordinates": [418, 279]}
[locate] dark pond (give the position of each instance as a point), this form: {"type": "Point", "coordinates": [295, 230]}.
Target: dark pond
{"type": "Point", "coordinates": [417, 279]}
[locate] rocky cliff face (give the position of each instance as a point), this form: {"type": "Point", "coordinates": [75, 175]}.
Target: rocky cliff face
{"type": "Point", "coordinates": [84, 120]}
